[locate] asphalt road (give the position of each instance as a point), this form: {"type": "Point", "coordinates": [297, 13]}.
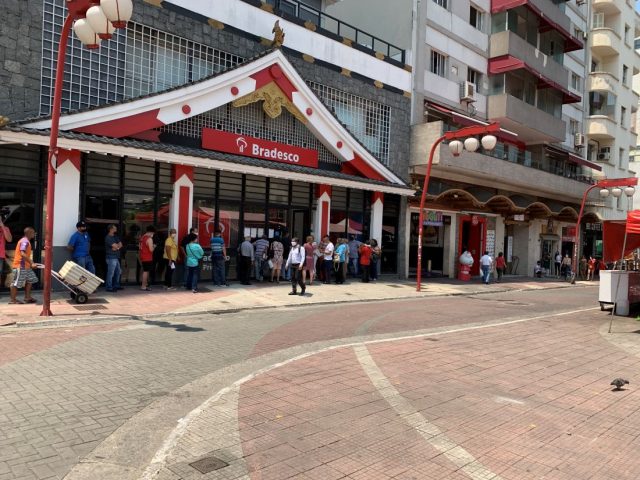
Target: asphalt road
{"type": "Point", "coordinates": [101, 402]}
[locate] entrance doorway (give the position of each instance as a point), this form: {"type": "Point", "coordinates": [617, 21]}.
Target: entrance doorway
{"type": "Point", "coordinates": [473, 235]}
{"type": "Point", "coordinates": [300, 221]}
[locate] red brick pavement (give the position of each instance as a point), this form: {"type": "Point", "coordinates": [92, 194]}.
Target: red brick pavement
{"type": "Point", "coordinates": [528, 401]}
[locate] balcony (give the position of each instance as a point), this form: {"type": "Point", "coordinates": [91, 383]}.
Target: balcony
{"type": "Point", "coordinates": [605, 42]}
{"type": "Point", "coordinates": [606, 6]}
{"type": "Point", "coordinates": [530, 123]}
{"type": "Point", "coordinates": [295, 10]}
{"type": "Point", "coordinates": [549, 10]}
{"type": "Point", "coordinates": [603, 82]}
{"type": "Point", "coordinates": [601, 127]}
{"type": "Point", "coordinates": [503, 168]}
{"type": "Point", "coordinates": [508, 43]}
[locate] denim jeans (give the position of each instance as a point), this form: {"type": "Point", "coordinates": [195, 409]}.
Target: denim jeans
{"type": "Point", "coordinates": [353, 266]}
{"type": "Point", "coordinates": [86, 263]}
{"type": "Point", "coordinates": [486, 273]}
{"type": "Point", "coordinates": [112, 282]}
{"type": "Point", "coordinates": [218, 271]}
{"type": "Point", "coordinates": [258, 268]}
{"type": "Point", "coordinates": [192, 277]}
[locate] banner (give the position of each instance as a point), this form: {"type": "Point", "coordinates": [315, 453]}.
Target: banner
{"type": "Point", "coordinates": [258, 148]}
{"type": "Point", "coordinates": [633, 221]}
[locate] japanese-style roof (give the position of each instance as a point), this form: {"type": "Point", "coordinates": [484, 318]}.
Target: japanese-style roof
{"type": "Point", "coordinates": [270, 70]}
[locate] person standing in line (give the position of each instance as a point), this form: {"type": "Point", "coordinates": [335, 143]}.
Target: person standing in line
{"type": "Point", "coordinates": [218, 258]}
{"type": "Point", "coordinates": [319, 254]}
{"type": "Point", "coordinates": [112, 247]}
{"type": "Point", "coordinates": [260, 256]}
{"type": "Point", "coordinates": [79, 245]}
{"type": "Point", "coordinates": [566, 266]}
{"type": "Point", "coordinates": [365, 260]}
{"type": "Point", "coordinates": [327, 259]}
{"type": "Point", "coordinates": [277, 257]}
{"type": "Point", "coordinates": [194, 255]}
{"type": "Point", "coordinates": [557, 263]}
{"type": "Point", "coordinates": [5, 237]}
{"type": "Point", "coordinates": [501, 266]}
{"type": "Point", "coordinates": [23, 274]}
{"type": "Point", "coordinates": [354, 248]}
{"type": "Point", "coordinates": [309, 263]}
{"type": "Point", "coordinates": [145, 249]}
{"type": "Point", "coordinates": [591, 268]}
{"type": "Point", "coordinates": [170, 257]}
{"type": "Point", "coordinates": [245, 260]}
{"type": "Point", "coordinates": [296, 261]}
{"type": "Point", "coordinates": [182, 253]}
{"type": "Point", "coordinates": [341, 251]}
{"type": "Point", "coordinates": [376, 255]}
{"type": "Point", "coordinates": [486, 262]}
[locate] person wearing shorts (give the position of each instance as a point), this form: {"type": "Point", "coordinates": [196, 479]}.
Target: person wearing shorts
{"type": "Point", "coordinates": [23, 274]}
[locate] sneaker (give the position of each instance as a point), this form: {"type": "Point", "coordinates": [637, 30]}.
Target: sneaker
{"type": "Point", "coordinates": [302, 293]}
{"type": "Point", "coordinates": [293, 293]}
{"type": "Point", "coordinates": [195, 291]}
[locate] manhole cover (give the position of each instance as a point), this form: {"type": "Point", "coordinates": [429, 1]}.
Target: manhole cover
{"type": "Point", "coordinates": [90, 307]}
{"type": "Point", "coordinates": [209, 464]}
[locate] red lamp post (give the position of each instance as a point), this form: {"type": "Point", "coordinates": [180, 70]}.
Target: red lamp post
{"type": "Point", "coordinates": [456, 147]}
{"type": "Point", "coordinates": [92, 20]}
{"type": "Point", "coordinates": [603, 185]}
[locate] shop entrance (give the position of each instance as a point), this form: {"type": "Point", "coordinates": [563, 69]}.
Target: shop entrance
{"type": "Point", "coordinates": [300, 221]}
{"type": "Point", "coordinates": [473, 233]}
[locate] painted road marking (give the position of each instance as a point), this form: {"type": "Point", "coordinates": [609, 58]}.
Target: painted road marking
{"type": "Point", "coordinates": [430, 432]}
{"type": "Point", "coordinates": [159, 459]}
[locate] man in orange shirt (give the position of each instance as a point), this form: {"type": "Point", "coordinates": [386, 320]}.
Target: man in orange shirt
{"type": "Point", "coordinates": [23, 274]}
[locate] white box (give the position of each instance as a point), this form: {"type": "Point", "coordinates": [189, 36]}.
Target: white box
{"type": "Point", "coordinates": [76, 276]}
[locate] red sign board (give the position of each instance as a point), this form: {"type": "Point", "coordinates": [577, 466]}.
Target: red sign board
{"type": "Point", "coordinates": [258, 148]}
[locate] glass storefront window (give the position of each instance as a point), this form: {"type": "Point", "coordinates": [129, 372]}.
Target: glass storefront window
{"type": "Point", "coordinates": [277, 222]}
{"type": "Point", "coordinates": [254, 220]}
{"type": "Point", "coordinates": [389, 243]}
{"type": "Point", "coordinates": [300, 194]}
{"type": "Point", "coordinates": [137, 213]}
{"type": "Point", "coordinates": [338, 225]}
{"type": "Point", "coordinates": [279, 191]}
{"type": "Point", "coordinates": [356, 214]}
{"type": "Point", "coordinates": [255, 189]}
{"type": "Point", "coordinates": [229, 224]}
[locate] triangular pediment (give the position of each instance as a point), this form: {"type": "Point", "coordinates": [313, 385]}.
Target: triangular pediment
{"type": "Point", "coordinates": [269, 79]}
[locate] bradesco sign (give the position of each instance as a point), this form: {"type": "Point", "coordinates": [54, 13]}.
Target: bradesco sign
{"type": "Point", "coordinates": [256, 147]}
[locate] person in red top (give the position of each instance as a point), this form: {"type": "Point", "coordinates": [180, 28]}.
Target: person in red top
{"type": "Point", "coordinates": [5, 236]}
{"type": "Point", "coordinates": [501, 266]}
{"type": "Point", "coordinates": [146, 248]}
{"type": "Point", "coordinates": [365, 260]}
{"type": "Point", "coordinates": [591, 266]}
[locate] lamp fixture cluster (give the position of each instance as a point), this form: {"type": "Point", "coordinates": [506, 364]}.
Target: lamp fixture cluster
{"type": "Point", "coordinates": [617, 192]}
{"type": "Point", "coordinates": [471, 144]}
{"type": "Point", "coordinates": [101, 20]}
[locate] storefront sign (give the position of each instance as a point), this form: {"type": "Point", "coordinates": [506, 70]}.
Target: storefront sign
{"type": "Point", "coordinates": [568, 234]}
{"type": "Point", "coordinates": [433, 219]}
{"type": "Point", "coordinates": [595, 227]}
{"type": "Point", "coordinates": [258, 148]}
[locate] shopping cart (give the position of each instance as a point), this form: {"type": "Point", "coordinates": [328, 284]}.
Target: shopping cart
{"type": "Point", "coordinates": [80, 282]}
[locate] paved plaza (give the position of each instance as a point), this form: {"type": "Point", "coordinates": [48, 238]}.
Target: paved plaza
{"type": "Point", "coordinates": [508, 381]}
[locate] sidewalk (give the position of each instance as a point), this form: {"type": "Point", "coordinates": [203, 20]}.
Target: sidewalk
{"type": "Point", "coordinates": [133, 303]}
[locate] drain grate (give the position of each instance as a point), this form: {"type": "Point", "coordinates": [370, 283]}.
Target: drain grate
{"type": "Point", "coordinates": [209, 464]}
{"type": "Point", "coordinates": [90, 307]}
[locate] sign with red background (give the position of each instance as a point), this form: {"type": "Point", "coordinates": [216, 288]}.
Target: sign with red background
{"type": "Point", "coordinates": [258, 148]}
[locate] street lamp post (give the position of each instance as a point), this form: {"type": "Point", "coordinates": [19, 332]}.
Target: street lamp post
{"type": "Point", "coordinates": [456, 147]}
{"type": "Point", "coordinates": [92, 21]}
{"type": "Point", "coordinates": [615, 185]}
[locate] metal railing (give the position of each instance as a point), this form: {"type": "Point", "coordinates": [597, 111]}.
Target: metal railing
{"type": "Point", "coordinates": [297, 9]}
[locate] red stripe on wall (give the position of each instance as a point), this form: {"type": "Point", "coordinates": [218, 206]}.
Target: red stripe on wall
{"type": "Point", "coordinates": [324, 219]}
{"type": "Point", "coordinates": [183, 211]}
{"type": "Point", "coordinates": [125, 126]}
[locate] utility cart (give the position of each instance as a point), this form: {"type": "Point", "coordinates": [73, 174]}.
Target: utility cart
{"type": "Point", "coordinates": [80, 282]}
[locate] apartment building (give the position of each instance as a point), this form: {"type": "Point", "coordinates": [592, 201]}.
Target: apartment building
{"type": "Point", "coordinates": [198, 114]}
{"type": "Point", "coordinates": [612, 98]}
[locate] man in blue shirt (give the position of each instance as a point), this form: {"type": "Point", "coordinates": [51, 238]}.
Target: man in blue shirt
{"type": "Point", "coordinates": [218, 257]}
{"type": "Point", "coordinates": [79, 246]}
{"type": "Point", "coordinates": [112, 247]}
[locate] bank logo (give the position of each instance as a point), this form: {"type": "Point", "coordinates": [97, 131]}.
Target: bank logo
{"type": "Point", "coordinates": [242, 144]}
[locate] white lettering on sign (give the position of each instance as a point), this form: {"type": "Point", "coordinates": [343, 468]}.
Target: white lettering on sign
{"type": "Point", "coordinates": [274, 153]}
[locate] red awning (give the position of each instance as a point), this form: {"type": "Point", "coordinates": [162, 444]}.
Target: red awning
{"type": "Point", "coordinates": [465, 121]}
{"type": "Point", "coordinates": [633, 221]}
{"type": "Point", "coordinates": [572, 43]}
{"type": "Point", "coordinates": [613, 233]}
{"type": "Point", "coordinates": [508, 63]}
{"type": "Point", "coordinates": [581, 161]}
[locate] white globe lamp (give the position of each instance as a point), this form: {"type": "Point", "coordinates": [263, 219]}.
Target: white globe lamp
{"type": "Point", "coordinates": [629, 191]}
{"type": "Point", "coordinates": [616, 192]}
{"type": "Point", "coordinates": [117, 11]}
{"type": "Point", "coordinates": [489, 142]}
{"type": "Point", "coordinates": [86, 34]}
{"type": "Point", "coordinates": [604, 193]}
{"type": "Point", "coordinates": [456, 147]}
{"type": "Point", "coordinates": [100, 23]}
{"type": "Point", "coordinates": [471, 144]}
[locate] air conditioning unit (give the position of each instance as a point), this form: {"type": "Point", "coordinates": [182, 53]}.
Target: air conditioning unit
{"type": "Point", "coordinates": [578, 140]}
{"type": "Point", "coordinates": [467, 91]}
{"type": "Point", "coordinates": [604, 153]}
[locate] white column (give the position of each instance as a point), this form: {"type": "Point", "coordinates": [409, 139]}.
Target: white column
{"type": "Point", "coordinates": [500, 228]}
{"type": "Point", "coordinates": [451, 254]}
{"type": "Point", "coordinates": [322, 214]}
{"type": "Point", "coordinates": [67, 197]}
{"type": "Point", "coordinates": [181, 205]}
{"type": "Point", "coordinates": [377, 208]}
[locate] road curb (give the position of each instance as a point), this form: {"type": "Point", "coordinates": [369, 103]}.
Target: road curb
{"type": "Point", "coordinates": [62, 322]}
